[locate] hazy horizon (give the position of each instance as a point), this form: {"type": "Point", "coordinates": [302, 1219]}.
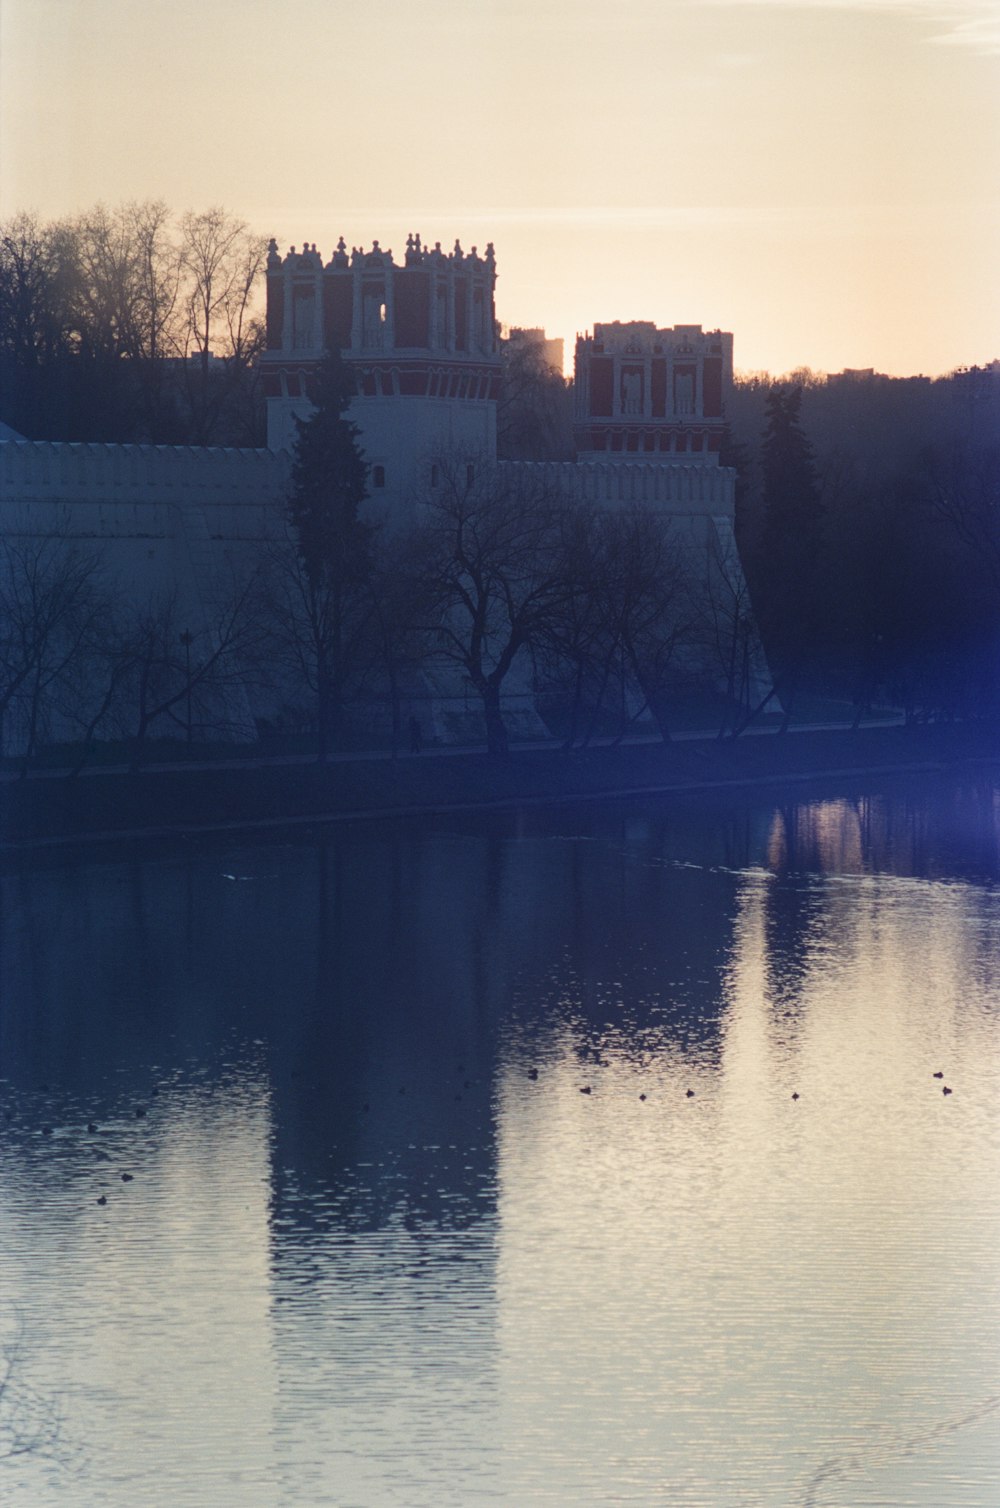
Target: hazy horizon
{"type": "Point", "coordinates": [814, 175]}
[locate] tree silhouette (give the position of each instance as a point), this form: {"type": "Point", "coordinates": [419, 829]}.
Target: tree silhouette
{"type": "Point", "coordinates": [487, 553]}
{"type": "Point", "coordinates": [334, 545]}
{"type": "Point", "coordinates": [789, 563]}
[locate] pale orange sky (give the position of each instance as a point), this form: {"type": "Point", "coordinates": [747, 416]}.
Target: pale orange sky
{"type": "Point", "coordinates": [821, 177]}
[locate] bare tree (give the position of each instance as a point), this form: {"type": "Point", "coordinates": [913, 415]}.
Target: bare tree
{"type": "Point", "coordinates": [222, 261]}
{"type": "Point", "coordinates": [32, 321]}
{"type": "Point", "coordinates": [320, 630]}
{"type": "Point", "coordinates": [729, 644]}
{"type": "Point", "coordinates": [577, 653]}
{"type": "Point", "coordinates": [29, 1422]}
{"type": "Point", "coordinates": [37, 269]}
{"type": "Point", "coordinates": [648, 602]}
{"type": "Point", "coordinates": [52, 599]}
{"type": "Point", "coordinates": [129, 275]}
{"type": "Point", "coordinates": [194, 684]}
{"type": "Point", "coordinates": [395, 644]}
{"type": "Point", "coordinates": [94, 310]}
{"type": "Point", "coordinates": [965, 484]}
{"type": "Point", "coordinates": [153, 324]}
{"type": "Point", "coordinates": [487, 546]}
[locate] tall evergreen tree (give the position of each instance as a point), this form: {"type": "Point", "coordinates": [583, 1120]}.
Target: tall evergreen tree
{"type": "Point", "coordinates": [789, 567]}
{"type": "Point", "coordinates": [334, 545]}
{"type": "Point", "coordinates": [330, 482]}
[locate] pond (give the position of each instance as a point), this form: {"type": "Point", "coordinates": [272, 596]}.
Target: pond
{"type": "Point", "coordinates": [637, 1154]}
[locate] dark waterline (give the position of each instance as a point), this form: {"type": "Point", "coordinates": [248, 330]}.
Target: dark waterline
{"type": "Point", "coordinates": [373, 1245]}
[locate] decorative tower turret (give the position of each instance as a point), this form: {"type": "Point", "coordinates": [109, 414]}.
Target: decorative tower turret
{"type": "Point", "coordinates": [421, 337]}
{"type": "Point", "coordinates": [644, 393]}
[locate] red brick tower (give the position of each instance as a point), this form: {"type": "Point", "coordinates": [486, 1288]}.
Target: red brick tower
{"type": "Point", "coordinates": [644, 393]}
{"type": "Point", "coordinates": [421, 336]}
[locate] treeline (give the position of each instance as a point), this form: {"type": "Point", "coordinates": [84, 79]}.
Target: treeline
{"type": "Point", "coordinates": [868, 519]}
{"type": "Point", "coordinates": [599, 619]}
{"type": "Point", "coordinates": [868, 523]}
{"type": "Point", "coordinates": [130, 325]}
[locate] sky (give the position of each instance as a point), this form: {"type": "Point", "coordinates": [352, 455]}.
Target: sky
{"type": "Point", "coordinates": [821, 177]}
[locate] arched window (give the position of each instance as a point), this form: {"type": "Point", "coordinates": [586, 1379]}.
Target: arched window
{"type": "Point", "coordinates": [378, 476]}
{"type": "Point", "coordinates": [470, 474]}
{"type": "Point", "coordinates": [435, 475]}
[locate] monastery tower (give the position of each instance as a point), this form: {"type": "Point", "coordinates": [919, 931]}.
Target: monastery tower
{"type": "Point", "coordinates": [653, 395]}
{"type": "Point", "coordinates": [421, 338]}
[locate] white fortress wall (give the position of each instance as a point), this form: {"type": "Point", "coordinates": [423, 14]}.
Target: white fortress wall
{"type": "Point", "coordinates": [122, 490]}
{"type": "Point", "coordinates": [166, 524]}
{"type": "Point", "coordinates": [693, 490]}
{"type": "Point", "coordinates": [149, 509]}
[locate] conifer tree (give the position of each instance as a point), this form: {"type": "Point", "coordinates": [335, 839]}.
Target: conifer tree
{"type": "Point", "coordinates": [334, 545]}
{"type": "Point", "coordinates": [330, 482]}
{"type": "Point", "coordinates": [789, 568]}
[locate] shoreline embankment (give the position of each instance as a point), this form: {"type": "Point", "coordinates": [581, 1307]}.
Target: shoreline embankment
{"type": "Point", "coordinates": [45, 811]}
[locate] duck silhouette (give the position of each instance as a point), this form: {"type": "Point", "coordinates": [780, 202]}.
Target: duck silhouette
{"type": "Point", "coordinates": [103, 1199]}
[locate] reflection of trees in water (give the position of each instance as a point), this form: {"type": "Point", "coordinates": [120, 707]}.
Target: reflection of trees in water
{"type": "Point", "coordinates": [637, 931]}
{"type": "Point", "coordinates": [391, 1067]}
{"type": "Point", "coordinates": [380, 960]}
{"type": "Point", "coordinates": [30, 1424]}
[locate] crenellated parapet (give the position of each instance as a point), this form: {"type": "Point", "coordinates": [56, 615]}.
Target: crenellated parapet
{"type": "Point", "coordinates": [680, 489]}
{"type": "Point", "coordinates": [644, 391]}
{"type": "Point", "coordinates": [49, 470]}
{"type": "Point", "coordinates": [137, 491]}
{"type": "Point", "coordinates": [434, 304]}
{"type": "Point", "coordinates": [424, 328]}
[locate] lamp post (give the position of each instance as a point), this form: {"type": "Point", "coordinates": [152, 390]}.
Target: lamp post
{"type": "Point", "coordinates": [187, 638]}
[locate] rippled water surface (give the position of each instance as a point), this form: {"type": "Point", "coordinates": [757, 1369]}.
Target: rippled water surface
{"type": "Point", "coordinates": [590, 1158]}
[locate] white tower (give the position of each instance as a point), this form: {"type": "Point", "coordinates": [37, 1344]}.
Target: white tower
{"type": "Point", "coordinates": [421, 338]}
